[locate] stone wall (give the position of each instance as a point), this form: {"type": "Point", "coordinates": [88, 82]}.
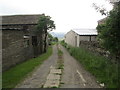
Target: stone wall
{"type": "Point", "coordinates": [15, 48]}
{"type": "Point", "coordinates": [94, 47]}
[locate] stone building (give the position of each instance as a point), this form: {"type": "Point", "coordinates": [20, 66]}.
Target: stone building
{"type": "Point", "coordinates": [19, 40]}
{"type": "Point", "coordinates": [102, 21]}
{"type": "Point", "coordinates": [76, 36]}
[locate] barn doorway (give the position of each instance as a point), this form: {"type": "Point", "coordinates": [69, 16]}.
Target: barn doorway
{"type": "Point", "coordinates": [34, 43]}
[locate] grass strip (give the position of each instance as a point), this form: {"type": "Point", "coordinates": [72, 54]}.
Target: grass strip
{"type": "Point", "coordinates": [101, 67]}
{"type": "Point", "coordinates": [60, 53]}
{"type": "Point", "coordinates": [14, 75]}
{"type": "Point", "coordinates": [60, 59]}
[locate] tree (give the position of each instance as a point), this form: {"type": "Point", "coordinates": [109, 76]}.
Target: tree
{"type": "Point", "coordinates": [103, 11]}
{"type": "Point", "coordinates": [50, 37]}
{"type": "Point", "coordinates": [55, 39]}
{"type": "Point", "coordinates": [109, 33]}
{"type": "Point", "coordinates": [45, 24]}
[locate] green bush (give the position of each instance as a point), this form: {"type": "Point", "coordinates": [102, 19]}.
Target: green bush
{"type": "Point", "coordinates": [64, 44]}
{"type": "Point", "coordinates": [109, 32]}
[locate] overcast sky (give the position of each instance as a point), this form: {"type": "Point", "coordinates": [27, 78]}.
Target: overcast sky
{"type": "Point", "coordinates": [67, 14]}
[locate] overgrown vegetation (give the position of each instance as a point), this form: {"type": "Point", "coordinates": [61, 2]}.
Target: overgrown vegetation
{"type": "Point", "coordinates": [109, 32]}
{"type": "Point", "coordinates": [52, 40]}
{"type": "Point", "coordinates": [104, 71]}
{"type": "Point", "coordinates": [60, 53]}
{"type": "Point", "coordinates": [44, 24]}
{"type": "Point", "coordinates": [16, 74]}
{"type": "Point", "coordinates": [64, 44]}
{"type": "Point", "coordinates": [55, 39]}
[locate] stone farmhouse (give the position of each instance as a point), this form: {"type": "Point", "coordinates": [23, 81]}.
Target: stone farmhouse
{"type": "Point", "coordinates": [19, 40]}
{"type": "Point", "coordinates": [76, 36]}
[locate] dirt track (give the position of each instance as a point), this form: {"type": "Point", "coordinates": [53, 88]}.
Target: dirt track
{"type": "Point", "coordinates": [38, 76]}
{"type": "Point", "coordinates": [74, 75]}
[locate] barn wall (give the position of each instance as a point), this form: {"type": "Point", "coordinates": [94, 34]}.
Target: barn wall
{"type": "Point", "coordinates": [70, 38]}
{"type": "Point", "coordinates": [84, 38]}
{"type": "Point", "coordinates": [87, 38]}
{"type": "Point", "coordinates": [15, 48]}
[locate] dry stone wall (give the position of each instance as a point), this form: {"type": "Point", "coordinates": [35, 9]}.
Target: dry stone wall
{"type": "Point", "coordinates": [95, 47]}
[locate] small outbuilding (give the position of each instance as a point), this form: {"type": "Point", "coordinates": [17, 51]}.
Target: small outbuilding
{"type": "Point", "coordinates": [75, 36]}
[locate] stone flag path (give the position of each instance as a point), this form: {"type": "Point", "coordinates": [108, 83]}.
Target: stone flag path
{"type": "Point", "coordinates": [53, 79]}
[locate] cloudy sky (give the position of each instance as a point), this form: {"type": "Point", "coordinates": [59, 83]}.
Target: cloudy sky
{"type": "Point", "coordinates": [67, 14]}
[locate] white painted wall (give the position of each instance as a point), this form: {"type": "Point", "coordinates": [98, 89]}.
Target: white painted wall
{"type": "Point", "coordinates": [70, 38]}
{"type": "Point", "coordinates": [78, 40]}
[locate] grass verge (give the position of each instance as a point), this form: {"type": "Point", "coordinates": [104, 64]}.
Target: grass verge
{"type": "Point", "coordinates": [60, 59]}
{"type": "Point", "coordinates": [101, 67]}
{"type": "Point", "coordinates": [14, 75]}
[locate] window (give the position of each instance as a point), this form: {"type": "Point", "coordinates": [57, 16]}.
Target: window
{"type": "Point", "coordinates": [26, 40]}
{"type": "Point", "coordinates": [26, 43]}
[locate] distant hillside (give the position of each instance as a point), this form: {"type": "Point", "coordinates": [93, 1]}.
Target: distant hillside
{"type": "Point", "coordinates": [57, 34]}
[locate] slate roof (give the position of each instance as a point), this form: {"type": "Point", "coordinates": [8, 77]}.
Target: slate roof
{"type": "Point", "coordinates": [20, 19]}
{"type": "Point", "coordinates": [85, 31]}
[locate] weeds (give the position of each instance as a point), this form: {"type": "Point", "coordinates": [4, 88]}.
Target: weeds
{"type": "Point", "coordinates": [101, 67]}
{"type": "Point", "coordinates": [60, 59]}
{"type": "Point", "coordinates": [60, 53]}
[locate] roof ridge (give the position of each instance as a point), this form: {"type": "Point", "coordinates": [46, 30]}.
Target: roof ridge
{"type": "Point", "coordinates": [22, 15]}
{"type": "Point", "coordinates": [21, 19]}
{"type": "Point", "coordinates": [86, 32]}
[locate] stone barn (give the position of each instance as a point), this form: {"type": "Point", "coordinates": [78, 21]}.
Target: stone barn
{"type": "Point", "coordinates": [76, 36]}
{"type": "Point", "coordinates": [19, 40]}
